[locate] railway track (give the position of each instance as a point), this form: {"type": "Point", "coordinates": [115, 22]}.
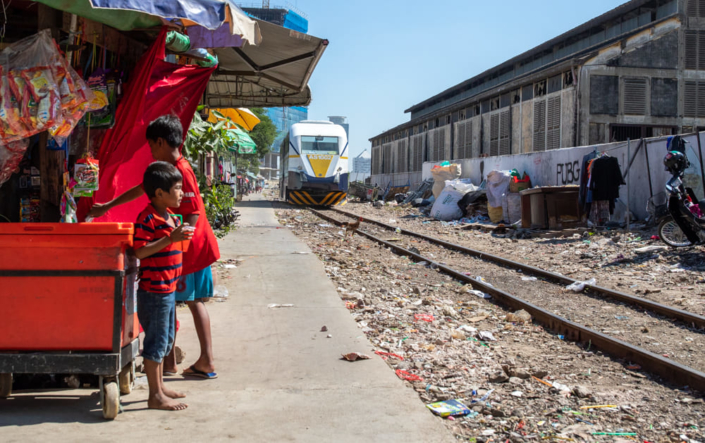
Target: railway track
{"type": "Point", "coordinates": [541, 307]}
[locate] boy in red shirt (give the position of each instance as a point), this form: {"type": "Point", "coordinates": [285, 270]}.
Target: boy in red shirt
{"type": "Point", "coordinates": [157, 244]}
{"type": "Point", "coordinates": [165, 137]}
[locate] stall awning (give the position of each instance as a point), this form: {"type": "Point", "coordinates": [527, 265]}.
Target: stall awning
{"type": "Point", "coordinates": [241, 142]}
{"type": "Point", "coordinates": [128, 15]}
{"type": "Point", "coordinates": [275, 73]}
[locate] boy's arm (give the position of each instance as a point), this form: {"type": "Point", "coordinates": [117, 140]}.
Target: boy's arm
{"type": "Point", "coordinates": [100, 209]}
{"type": "Point", "coordinates": [151, 248]}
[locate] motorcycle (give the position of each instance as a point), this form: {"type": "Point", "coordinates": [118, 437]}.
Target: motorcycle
{"type": "Point", "coordinates": [683, 225]}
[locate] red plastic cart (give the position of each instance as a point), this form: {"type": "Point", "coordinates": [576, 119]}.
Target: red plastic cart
{"type": "Point", "coordinates": [69, 304]}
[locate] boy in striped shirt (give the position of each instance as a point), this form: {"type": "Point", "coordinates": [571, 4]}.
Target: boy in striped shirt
{"type": "Point", "coordinates": [157, 243]}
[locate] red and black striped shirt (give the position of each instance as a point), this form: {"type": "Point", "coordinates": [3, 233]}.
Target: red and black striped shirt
{"type": "Point", "coordinates": [160, 272]}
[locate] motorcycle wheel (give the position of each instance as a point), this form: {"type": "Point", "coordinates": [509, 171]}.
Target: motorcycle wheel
{"type": "Point", "coordinates": [672, 235]}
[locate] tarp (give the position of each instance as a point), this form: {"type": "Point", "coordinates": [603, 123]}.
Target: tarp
{"type": "Point", "coordinates": [126, 15]}
{"type": "Point", "coordinates": [156, 88]}
{"type": "Point", "coordinates": [275, 73]}
{"type": "Point", "coordinates": [241, 142]}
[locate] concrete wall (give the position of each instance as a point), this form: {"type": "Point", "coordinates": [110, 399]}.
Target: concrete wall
{"type": "Point", "coordinates": [410, 178]}
{"type": "Point", "coordinates": [563, 167]}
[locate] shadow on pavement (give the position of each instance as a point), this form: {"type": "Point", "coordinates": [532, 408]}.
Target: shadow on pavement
{"type": "Point", "coordinates": [32, 408]}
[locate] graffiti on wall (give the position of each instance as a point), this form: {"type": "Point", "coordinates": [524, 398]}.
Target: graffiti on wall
{"type": "Point", "coordinates": [568, 173]}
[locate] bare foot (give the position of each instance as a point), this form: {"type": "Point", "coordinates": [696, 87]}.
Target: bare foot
{"type": "Point", "coordinates": [160, 401]}
{"type": "Point", "coordinates": [170, 371]}
{"type": "Point", "coordinates": [173, 394]}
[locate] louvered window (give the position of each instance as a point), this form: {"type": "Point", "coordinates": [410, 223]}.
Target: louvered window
{"type": "Point", "coordinates": [463, 140]}
{"type": "Point", "coordinates": [438, 144]}
{"type": "Point", "coordinates": [696, 8]}
{"type": "Point", "coordinates": [494, 135]}
{"type": "Point", "coordinates": [402, 157]}
{"type": "Point", "coordinates": [634, 97]}
{"type": "Point", "coordinates": [505, 133]}
{"type": "Point", "coordinates": [417, 153]}
{"type": "Point", "coordinates": [553, 123]}
{"type": "Point", "coordinates": [694, 99]}
{"type": "Point", "coordinates": [376, 160]}
{"type": "Point", "coordinates": [387, 165]}
{"type": "Point", "coordinates": [695, 50]}
{"type": "Point", "coordinates": [540, 125]}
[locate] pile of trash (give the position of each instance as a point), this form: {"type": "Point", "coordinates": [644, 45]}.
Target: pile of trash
{"type": "Point", "coordinates": [492, 375]}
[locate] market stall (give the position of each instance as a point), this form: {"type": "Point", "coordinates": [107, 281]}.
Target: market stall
{"type": "Point", "coordinates": [68, 133]}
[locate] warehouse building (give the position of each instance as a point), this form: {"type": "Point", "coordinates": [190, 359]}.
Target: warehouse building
{"type": "Point", "coordinates": [634, 72]}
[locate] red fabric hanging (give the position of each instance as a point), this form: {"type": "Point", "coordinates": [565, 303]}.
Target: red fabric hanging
{"type": "Point", "coordinates": [157, 88]}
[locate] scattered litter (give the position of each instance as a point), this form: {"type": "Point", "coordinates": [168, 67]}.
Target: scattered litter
{"type": "Point", "coordinates": [579, 286]}
{"type": "Point", "coordinates": [518, 317]}
{"type": "Point", "coordinates": [599, 407]}
{"type": "Point", "coordinates": [384, 355]}
{"type": "Point", "coordinates": [424, 317]}
{"type": "Point", "coordinates": [277, 305]}
{"type": "Point", "coordinates": [529, 278]}
{"type": "Point", "coordinates": [486, 336]}
{"type": "Point", "coordinates": [648, 249]}
{"type": "Point", "coordinates": [407, 376]}
{"type": "Point", "coordinates": [300, 253]}
{"type": "Point", "coordinates": [220, 291]}
{"type": "Point", "coordinates": [448, 408]}
{"type": "Point", "coordinates": [140, 383]}
{"type": "Point", "coordinates": [229, 266]}
{"type": "Point", "coordinates": [329, 336]}
{"type": "Point", "coordinates": [354, 356]}
{"type": "Point", "coordinates": [517, 394]}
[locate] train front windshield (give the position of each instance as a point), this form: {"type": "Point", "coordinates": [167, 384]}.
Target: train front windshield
{"type": "Point", "coordinates": [319, 145]}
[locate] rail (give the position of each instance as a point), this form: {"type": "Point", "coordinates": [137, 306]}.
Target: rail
{"type": "Point", "coordinates": [667, 369]}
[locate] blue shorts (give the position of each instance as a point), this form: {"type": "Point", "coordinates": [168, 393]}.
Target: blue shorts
{"type": "Point", "coordinates": [195, 285]}
{"type": "Point", "coordinates": [157, 315]}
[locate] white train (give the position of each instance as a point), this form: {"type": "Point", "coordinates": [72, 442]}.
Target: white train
{"type": "Point", "coordinates": [314, 164]}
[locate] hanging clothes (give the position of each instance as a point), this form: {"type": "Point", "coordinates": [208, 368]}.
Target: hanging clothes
{"type": "Point", "coordinates": [582, 193]}
{"type": "Point", "coordinates": [605, 180]}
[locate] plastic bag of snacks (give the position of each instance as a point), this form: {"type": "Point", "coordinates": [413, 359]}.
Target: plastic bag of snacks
{"type": "Point", "coordinates": [85, 173]}
{"type": "Point", "coordinates": [39, 91]}
{"type": "Point", "coordinates": [11, 155]}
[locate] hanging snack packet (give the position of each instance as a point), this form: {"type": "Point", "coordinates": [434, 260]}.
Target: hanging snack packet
{"type": "Point", "coordinates": [40, 83]}
{"type": "Point", "coordinates": [85, 173]}
{"type": "Point", "coordinates": [11, 155]}
{"type": "Point", "coordinates": [102, 115]}
{"type": "Point", "coordinates": [10, 124]}
{"type": "Point", "coordinates": [21, 96]}
{"type": "Point", "coordinates": [67, 89]}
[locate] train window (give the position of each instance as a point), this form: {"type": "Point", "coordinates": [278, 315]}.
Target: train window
{"type": "Point", "coordinates": [321, 145]}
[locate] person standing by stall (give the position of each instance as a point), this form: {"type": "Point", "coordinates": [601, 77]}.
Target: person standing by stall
{"type": "Point", "coordinates": [165, 137]}
{"type": "Point", "coordinates": [157, 240]}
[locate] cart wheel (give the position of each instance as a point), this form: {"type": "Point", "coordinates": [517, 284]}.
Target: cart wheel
{"type": "Point", "coordinates": [127, 379]}
{"type": "Point", "coordinates": [5, 385]}
{"type": "Point", "coordinates": [110, 400]}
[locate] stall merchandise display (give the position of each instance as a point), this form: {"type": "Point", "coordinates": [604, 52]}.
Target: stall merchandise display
{"type": "Point", "coordinates": [39, 92]}
{"type": "Point", "coordinates": [85, 174]}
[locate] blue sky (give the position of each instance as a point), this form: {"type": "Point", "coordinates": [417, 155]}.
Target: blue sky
{"type": "Point", "coordinates": [387, 55]}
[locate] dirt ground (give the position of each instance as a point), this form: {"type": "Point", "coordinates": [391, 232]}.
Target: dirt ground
{"type": "Point", "coordinates": [456, 345]}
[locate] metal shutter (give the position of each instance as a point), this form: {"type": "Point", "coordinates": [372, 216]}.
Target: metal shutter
{"type": "Point", "coordinates": [691, 99]}
{"type": "Point", "coordinates": [402, 157]}
{"type": "Point", "coordinates": [505, 133]}
{"type": "Point", "coordinates": [494, 135]}
{"type": "Point", "coordinates": [634, 96]}
{"type": "Point", "coordinates": [540, 125]}
{"type": "Point", "coordinates": [459, 139]}
{"type": "Point", "coordinates": [387, 165]}
{"type": "Point", "coordinates": [695, 8]}
{"type": "Point", "coordinates": [553, 123]}
{"type": "Point", "coordinates": [700, 108]}
{"type": "Point", "coordinates": [417, 152]}
{"type": "Point", "coordinates": [376, 161]}
{"type": "Point", "coordinates": [691, 50]}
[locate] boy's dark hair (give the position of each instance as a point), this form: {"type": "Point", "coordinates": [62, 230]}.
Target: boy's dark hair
{"type": "Point", "coordinates": [160, 175]}
{"type": "Point", "coordinates": [167, 127]}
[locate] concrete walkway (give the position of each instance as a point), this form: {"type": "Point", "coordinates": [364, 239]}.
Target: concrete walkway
{"type": "Point", "coordinates": [280, 378]}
